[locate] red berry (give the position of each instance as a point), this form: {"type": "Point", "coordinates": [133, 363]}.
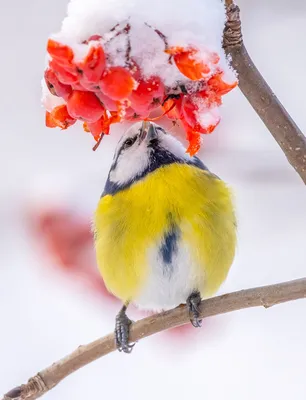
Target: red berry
{"type": "Point", "coordinates": [188, 64]}
{"type": "Point", "coordinates": [102, 126]}
{"type": "Point", "coordinates": [117, 83]}
{"type": "Point", "coordinates": [63, 54]}
{"type": "Point", "coordinates": [85, 106]}
{"type": "Point", "coordinates": [64, 76]}
{"type": "Point", "coordinates": [90, 87]}
{"type": "Point", "coordinates": [132, 115]}
{"type": "Point", "coordinates": [55, 86]}
{"type": "Point", "coordinates": [194, 139]}
{"type": "Point", "coordinates": [60, 117]}
{"type": "Point", "coordinates": [97, 128]}
{"type": "Point", "coordinates": [94, 37]}
{"type": "Point", "coordinates": [117, 116]}
{"type": "Point", "coordinates": [173, 108]}
{"type": "Point", "coordinates": [92, 67]}
{"type": "Point", "coordinates": [220, 87]}
{"type": "Point", "coordinates": [189, 109]}
{"type": "Point", "coordinates": [209, 98]}
{"type": "Point", "coordinates": [214, 58]}
{"type": "Point", "coordinates": [77, 86]}
{"type": "Point", "coordinates": [148, 94]}
{"type": "Point", "coordinates": [109, 104]}
{"type": "Point", "coordinates": [49, 121]}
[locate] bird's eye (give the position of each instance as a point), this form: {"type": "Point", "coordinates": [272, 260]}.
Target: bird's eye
{"type": "Point", "coordinates": [129, 142]}
{"type": "Point", "coordinates": [160, 129]}
{"type": "Point", "coordinates": [154, 142]}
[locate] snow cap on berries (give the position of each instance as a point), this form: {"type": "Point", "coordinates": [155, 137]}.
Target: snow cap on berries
{"type": "Point", "coordinates": [117, 61]}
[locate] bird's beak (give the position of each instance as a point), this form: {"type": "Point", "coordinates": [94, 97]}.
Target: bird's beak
{"type": "Point", "coordinates": [148, 132]}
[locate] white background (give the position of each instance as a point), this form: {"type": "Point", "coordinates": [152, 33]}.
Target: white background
{"type": "Point", "coordinates": [252, 354]}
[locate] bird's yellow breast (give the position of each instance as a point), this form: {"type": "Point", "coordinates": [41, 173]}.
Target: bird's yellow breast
{"type": "Point", "coordinates": [133, 220]}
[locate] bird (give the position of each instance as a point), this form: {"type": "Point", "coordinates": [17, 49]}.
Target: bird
{"type": "Point", "coordinates": [165, 227]}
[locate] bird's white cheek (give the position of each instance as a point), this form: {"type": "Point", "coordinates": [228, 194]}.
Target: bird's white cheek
{"type": "Point", "coordinates": [129, 165]}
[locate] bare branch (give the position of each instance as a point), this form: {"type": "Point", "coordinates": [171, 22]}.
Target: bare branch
{"type": "Point", "coordinates": [259, 94]}
{"type": "Point", "coordinates": [266, 296]}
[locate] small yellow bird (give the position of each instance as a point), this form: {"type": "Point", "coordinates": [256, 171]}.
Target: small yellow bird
{"type": "Point", "coordinates": [165, 227]}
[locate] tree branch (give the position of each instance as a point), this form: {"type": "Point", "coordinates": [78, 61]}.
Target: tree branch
{"type": "Point", "coordinates": [266, 296]}
{"type": "Point", "coordinates": [284, 130]}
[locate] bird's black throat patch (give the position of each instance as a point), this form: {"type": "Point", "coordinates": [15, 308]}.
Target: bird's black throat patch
{"type": "Point", "coordinates": [159, 157]}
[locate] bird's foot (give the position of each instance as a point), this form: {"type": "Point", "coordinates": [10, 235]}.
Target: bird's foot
{"type": "Point", "coordinates": [193, 303]}
{"type": "Point", "coordinates": [122, 330]}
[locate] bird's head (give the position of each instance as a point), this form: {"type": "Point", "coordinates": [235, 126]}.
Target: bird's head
{"type": "Point", "coordinates": [141, 150]}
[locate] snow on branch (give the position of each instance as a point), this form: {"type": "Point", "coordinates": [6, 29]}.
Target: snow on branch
{"type": "Point", "coordinates": [266, 296]}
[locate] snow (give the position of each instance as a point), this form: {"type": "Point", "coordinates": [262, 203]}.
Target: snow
{"type": "Point", "coordinates": [196, 23]}
{"type": "Point", "coordinates": [209, 118]}
{"type": "Point", "coordinates": [89, 17]}
{"type": "Point", "coordinates": [252, 354]}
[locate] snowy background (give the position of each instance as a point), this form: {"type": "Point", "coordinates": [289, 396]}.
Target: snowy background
{"type": "Point", "coordinates": [253, 354]}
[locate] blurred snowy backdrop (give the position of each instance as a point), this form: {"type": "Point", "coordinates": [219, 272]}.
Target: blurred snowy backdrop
{"type": "Point", "coordinates": [50, 184]}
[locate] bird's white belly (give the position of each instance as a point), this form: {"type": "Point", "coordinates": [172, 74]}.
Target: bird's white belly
{"type": "Point", "coordinates": [169, 284]}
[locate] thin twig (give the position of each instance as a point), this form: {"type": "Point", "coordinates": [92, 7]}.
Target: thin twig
{"type": "Point", "coordinates": [266, 296]}
{"type": "Point", "coordinates": [284, 130]}
{"type": "Point", "coordinates": [98, 142]}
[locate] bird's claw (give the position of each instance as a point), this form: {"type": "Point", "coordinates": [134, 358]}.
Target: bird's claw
{"type": "Point", "coordinates": [122, 330]}
{"type": "Point", "coordinates": [193, 303]}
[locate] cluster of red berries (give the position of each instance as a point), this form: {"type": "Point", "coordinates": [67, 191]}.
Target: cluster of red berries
{"type": "Point", "coordinates": [100, 95]}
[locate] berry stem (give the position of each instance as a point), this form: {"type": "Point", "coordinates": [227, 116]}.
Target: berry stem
{"type": "Point", "coordinates": [98, 142]}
